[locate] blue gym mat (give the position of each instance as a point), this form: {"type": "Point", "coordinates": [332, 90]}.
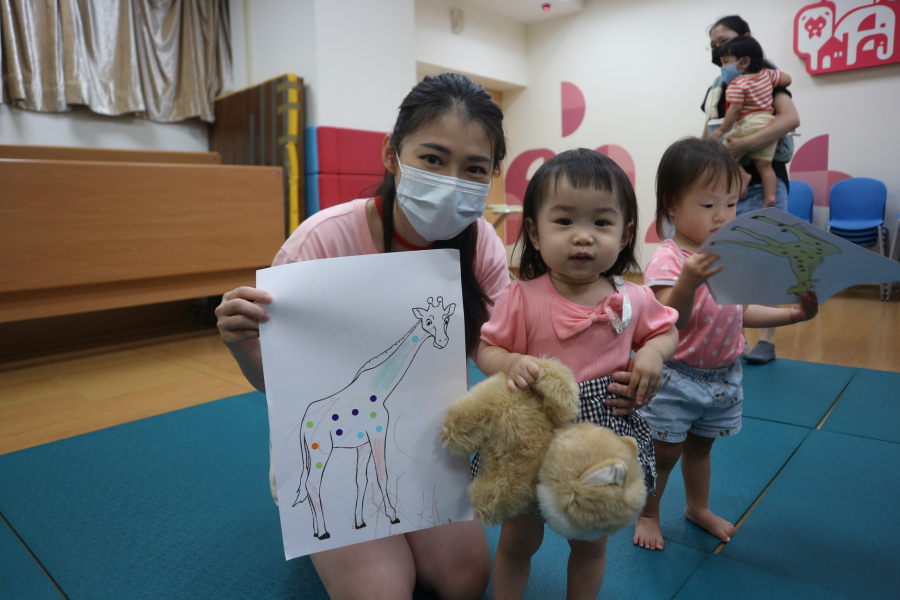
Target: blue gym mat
{"type": "Point", "coordinates": [719, 577]}
{"type": "Point", "coordinates": [742, 466]}
{"type": "Point", "coordinates": [830, 519]}
{"type": "Point", "coordinates": [20, 576]}
{"type": "Point", "coordinates": [793, 392]}
{"type": "Point", "coordinates": [869, 407]}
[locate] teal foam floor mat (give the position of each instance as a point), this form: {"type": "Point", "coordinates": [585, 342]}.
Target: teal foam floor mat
{"type": "Point", "coordinates": [20, 576]}
{"type": "Point", "coordinates": [742, 466]}
{"type": "Point", "coordinates": [830, 519]}
{"type": "Point", "coordinates": [793, 392]}
{"type": "Point", "coordinates": [719, 577]}
{"type": "Point", "coordinates": [869, 407]}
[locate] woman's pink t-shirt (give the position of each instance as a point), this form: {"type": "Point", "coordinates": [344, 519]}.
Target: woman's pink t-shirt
{"type": "Point", "coordinates": [523, 322]}
{"type": "Point", "coordinates": [343, 230]}
{"type": "Point", "coordinates": [712, 338]}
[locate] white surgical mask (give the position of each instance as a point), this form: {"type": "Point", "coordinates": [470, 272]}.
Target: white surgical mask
{"type": "Point", "coordinates": [437, 206]}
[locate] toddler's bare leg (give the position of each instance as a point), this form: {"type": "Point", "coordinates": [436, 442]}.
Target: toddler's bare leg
{"type": "Point", "coordinates": [587, 566]}
{"type": "Point", "coordinates": [695, 467]}
{"type": "Point", "coordinates": [520, 538]}
{"type": "Point", "coordinates": [647, 533]}
{"type": "Point", "coordinates": [769, 181]}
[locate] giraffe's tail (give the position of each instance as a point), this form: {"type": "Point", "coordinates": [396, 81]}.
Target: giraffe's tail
{"type": "Point", "coordinates": [302, 494]}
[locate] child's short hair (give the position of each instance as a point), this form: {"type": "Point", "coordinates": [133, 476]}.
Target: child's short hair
{"type": "Point", "coordinates": [686, 162]}
{"type": "Point", "coordinates": [742, 46]}
{"type": "Point", "coordinates": [582, 168]}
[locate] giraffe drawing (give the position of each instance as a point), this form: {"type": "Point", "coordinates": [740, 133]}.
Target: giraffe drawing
{"type": "Point", "coordinates": [356, 417]}
{"type": "Point", "coordinates": [805, 254]}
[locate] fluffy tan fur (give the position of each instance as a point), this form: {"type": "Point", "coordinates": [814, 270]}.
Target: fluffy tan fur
{"type": "Point", "coordinates": [576, 452]}
{"type": "Point", "coordinates": [511, 431]}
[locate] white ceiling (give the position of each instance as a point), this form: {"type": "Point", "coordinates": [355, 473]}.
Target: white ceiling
{"type": "Point", "coordinates": [527, 11]}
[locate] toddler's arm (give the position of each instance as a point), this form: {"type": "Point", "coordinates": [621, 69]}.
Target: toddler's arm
{"type": "Point", "coordinates": [521, 370]}
{"type": "Point", "coordinates": [731, 115]}
{"type": "Point", "coordinates": [646, 365]}
{"type": "Point", "coordinates": [768, 316]}
{"type": "Point", "coordinates": [785, 80]}
{"type": "Point", "coordinates": [697, 269]}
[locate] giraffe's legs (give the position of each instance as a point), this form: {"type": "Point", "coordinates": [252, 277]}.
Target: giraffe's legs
{"type": "Point", "coordinates": [363, 458]}
{"type": "Point", "coordinates": [314, 486]}
{"type": "Point", "coordinates": [379, 453]}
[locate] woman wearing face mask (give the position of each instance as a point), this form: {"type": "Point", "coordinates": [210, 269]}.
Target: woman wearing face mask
{"type": "Point", "coordinates": [786, 120]}
{"type": "Point", "coordinates": [447, 143]}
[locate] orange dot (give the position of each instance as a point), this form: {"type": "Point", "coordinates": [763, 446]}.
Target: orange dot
{"type": "Point", "coordinates": [315, 446]}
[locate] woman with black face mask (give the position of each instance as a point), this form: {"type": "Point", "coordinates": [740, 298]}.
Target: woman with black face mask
{"type": "Point", "coordinates": [786, 120]}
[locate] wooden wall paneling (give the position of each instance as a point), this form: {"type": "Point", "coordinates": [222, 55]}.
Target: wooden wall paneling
{"type": "Point", "coordinates": [81, 236]}
{"type": "Point", "coordinates": [107, 155]}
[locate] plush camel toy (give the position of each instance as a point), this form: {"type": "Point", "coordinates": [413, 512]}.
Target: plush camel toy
{"type": "Point", "coordinates": [584, 479]}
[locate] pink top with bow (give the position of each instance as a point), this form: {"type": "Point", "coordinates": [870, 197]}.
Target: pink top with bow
{"type": "Point", "coordinates": [532, 317]}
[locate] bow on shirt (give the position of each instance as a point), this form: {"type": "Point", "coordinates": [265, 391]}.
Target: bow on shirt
{"type": "Point", "coordinates": [569, 319]}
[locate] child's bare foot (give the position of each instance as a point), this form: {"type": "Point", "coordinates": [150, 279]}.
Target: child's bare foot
{"type": "Point", "coordinates": [745, 182]}
{"type": "Point", "coordinates": [714, 524]}
{"type": "Point", "coordinates": [647, 533]}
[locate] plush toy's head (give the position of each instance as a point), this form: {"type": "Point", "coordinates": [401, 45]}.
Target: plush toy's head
{"type": "Point", "coordinates": [591, 482]}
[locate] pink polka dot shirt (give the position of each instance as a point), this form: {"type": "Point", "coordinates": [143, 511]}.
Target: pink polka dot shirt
{"type": "Point", "coordinates": [712, 339]}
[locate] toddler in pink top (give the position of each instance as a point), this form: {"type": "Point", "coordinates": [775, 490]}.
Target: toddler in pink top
{"type": "Point", "coordinates": [697, 187]}
{"type": "Point", "coordinates": [579, 220]}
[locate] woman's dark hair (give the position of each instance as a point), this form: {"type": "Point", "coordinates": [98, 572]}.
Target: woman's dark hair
{"type": "Point", "coordinates": [734, 23]}
{"type": "Point", "coordinates": [688, 161]}
{"type": "Point", "coordinates": [430, 100]}
{"type": "Point", "coordinates": [742, 47]}
{"type": "Point", "coordinates": [582, 168]}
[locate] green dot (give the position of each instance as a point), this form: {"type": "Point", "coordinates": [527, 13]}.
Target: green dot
{"type": "Point", "coordinates": [374, 414]}
{"type": "Point", "coordinates": [318, 466]}
{"type": "Point", "coordinates": [309, 423]}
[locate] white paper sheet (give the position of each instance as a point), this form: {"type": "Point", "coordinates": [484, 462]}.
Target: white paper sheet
{"type": "Point", "coordinates": [357, 387]}
{"type": "Point", "coordinates": [770, 256]}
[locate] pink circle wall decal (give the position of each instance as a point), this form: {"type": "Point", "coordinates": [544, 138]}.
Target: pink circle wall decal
{"type": "Point", "coordinates": [810, 165]}
{"type": "Point", "coordinates": [573, 107]}
{"type": "Point", "coordinates": [517, 182]}
{"type": "Point", "coordinates": [622, 158]}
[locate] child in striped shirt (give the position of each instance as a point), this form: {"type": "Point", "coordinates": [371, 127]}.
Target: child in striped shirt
{"type": "Point", "coordinates": [749, 103]}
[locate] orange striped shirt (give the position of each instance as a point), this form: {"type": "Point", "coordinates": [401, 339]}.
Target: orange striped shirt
{"type": "Point", "coordinates": [753, 91]}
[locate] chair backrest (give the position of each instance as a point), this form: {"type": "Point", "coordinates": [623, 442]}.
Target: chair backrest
{"type": "Point", "coordinates": [858, 198]}
{"type": "Point", "coordinates": [800, 200]}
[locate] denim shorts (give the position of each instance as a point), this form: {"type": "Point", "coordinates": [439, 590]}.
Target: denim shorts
{"type": "Point", "coordinates": [754, 199]}
{"type": "Point", "coordinates": [703, 402]}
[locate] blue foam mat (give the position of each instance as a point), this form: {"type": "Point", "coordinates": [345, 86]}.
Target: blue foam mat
{"type": "Point", "coordinates": [630, 571]}
{"type": "Point", "coordinates": [173, 506]}
{"type": "Point", "coordinates": [742, 466]}
{"type": "Point", "coordinates": [830, 518]}
{"type": "Point", "coordinates": [793, 392]}
{"type": "Point", "coordinates": [20, 576]}
{"type": "Point", "coordinates": [720, 577]}
{"type": "Point", "coordinates": [869, 407]}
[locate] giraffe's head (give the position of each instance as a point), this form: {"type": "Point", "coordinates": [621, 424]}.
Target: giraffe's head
{"type": "Point", "coordinates": [434, 320]}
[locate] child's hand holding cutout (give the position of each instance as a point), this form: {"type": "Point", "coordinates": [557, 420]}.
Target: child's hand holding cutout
{"type": "Point", "coordinates": [697, 269]}
{"type": "Point", "coordinates": [522, 373]}
{"type": "Point", "coordinates": [806, 308]}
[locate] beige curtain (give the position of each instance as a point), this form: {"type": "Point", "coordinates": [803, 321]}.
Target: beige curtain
{"type": "Point", "coordinates": [165, 60]}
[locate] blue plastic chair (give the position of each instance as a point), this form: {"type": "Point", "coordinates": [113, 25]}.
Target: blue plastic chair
{"type": "Point", "coordinates": [857, 215]}
{"type": "Point", "coordinates": [800, 200]}
{"type": "Point", "coordinates": [895, 253]}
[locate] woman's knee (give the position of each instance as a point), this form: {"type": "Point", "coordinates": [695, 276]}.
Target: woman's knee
{"type": "Point", "coordinates": [382, 568]}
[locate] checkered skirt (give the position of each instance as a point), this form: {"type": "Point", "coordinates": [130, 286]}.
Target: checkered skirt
{"type": "Point", "coordinates": [592, 395]}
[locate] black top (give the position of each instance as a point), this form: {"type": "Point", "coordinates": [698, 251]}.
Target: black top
{"type": "Point", "coordinates": [778, 166]}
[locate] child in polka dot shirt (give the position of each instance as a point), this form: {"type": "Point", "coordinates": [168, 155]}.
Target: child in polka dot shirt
{"type": "Point", "coordinates": [698, 183]}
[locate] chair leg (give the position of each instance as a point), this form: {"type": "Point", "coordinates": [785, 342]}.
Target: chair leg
{"type": "Point", "coordinates": [885, 287]}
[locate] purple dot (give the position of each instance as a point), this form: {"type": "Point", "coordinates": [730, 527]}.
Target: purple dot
{"type": "Point", "coordinates": [373, 398]}
{"type": "Point", "coordinates": [355, 412]}
{"type": "Point", "coordinates": [334, 417]}
{"type": "Point", "coordinates": [340, 432]}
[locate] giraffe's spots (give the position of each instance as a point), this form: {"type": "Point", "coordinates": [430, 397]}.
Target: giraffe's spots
{"type": "Point", "coordinates": [309, 423]}
{"type": "Point", "coordinates": [334, 417]}
{"type": "Point", "coordinates": [379, 428]}
{"type": "Point", "coordinates": [373, 414]}
{"type": "Point", "coordinates": [415, 338]}
{"type": "Point", "coordinates": [360, 435]}
{"type": "Point", "coordinates": [355, 412]}
{"type": "Point", "coordinates": [315, 446]}
{"type": "Point", "coordinates": [372, 398]}
{"type": "Point", "coordinates": [340, 432]}
{"type": "Point", "coordinates": [318, 465]}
